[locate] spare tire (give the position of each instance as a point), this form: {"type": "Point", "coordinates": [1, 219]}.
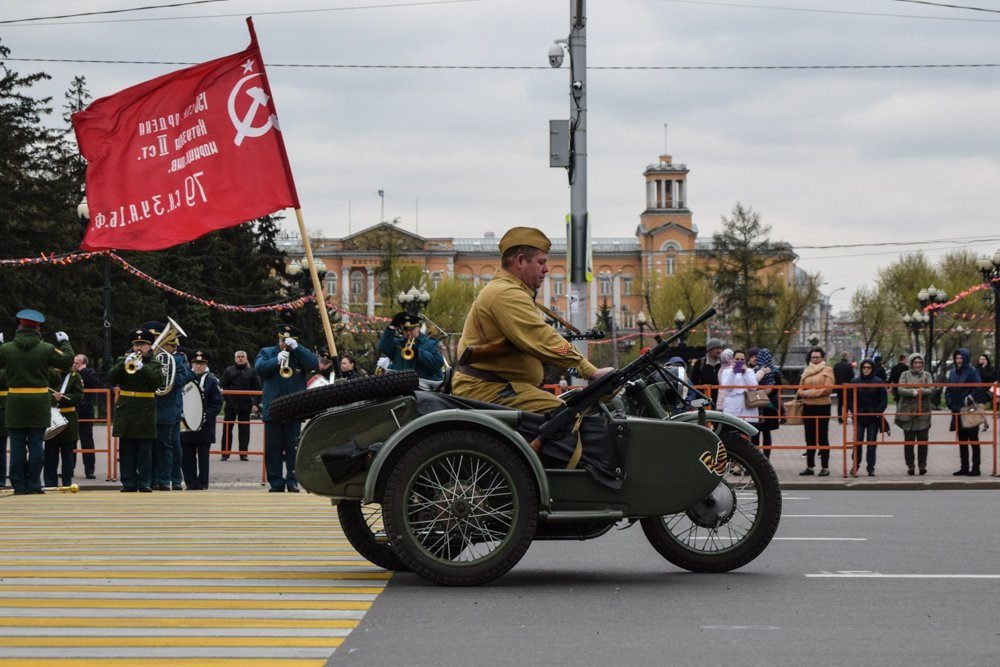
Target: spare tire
{"type": "Point", "coordinates": [306, 404]}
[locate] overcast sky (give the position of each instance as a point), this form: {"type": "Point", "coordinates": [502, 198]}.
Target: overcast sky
{"type": "Point", "coordinates": [827, 156]}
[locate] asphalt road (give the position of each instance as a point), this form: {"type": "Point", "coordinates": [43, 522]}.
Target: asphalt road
{"type": "Point", "coordinates": [865, 578]}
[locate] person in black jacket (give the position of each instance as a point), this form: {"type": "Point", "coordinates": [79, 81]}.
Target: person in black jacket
{"type": "Point", "coordinates": [871, 403]}
{"type": "Point", "coordinates": [894, 373]}
{"type": "Point", "coordinates": [705, 370]}
{"type": "Point", "coordinates": [239, 377]}
{"type": "Point", "coordinates": [985, 368]}
{"type": "Point", "coordinates": [843, 372]}
{"type": "Point", "coordinates": [85, 411]}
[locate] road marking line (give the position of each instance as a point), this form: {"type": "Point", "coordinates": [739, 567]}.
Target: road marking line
{"type": "Point", "coordinates": [880, 575]}
{"type": "Point", "coordinates": [836, 516]}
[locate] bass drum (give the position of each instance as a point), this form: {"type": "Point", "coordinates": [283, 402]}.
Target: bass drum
{"type": "Point", "coordinates": [192, 407]}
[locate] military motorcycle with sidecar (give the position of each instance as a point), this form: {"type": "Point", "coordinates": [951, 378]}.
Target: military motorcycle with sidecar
{"type": "Point", "coordinates": [456, 490]}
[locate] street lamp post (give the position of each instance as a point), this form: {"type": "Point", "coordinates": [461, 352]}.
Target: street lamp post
{"type": "Point", "coordinates": [990, 268]}
{"type": "Point", "coordinates": [641, 321]}
{"type": "Point", "coordinates": [413, 300]}
{"type": "Point", "coordinates": [298, 270]}
{"type": "Point", "coordinates": [679, 320]}
{"type": "Point", "coordinates": [915, 322]}
{"type": "Point", "coordinates": [83, 211]}
{"type": "Point", "coordinates": [928, 296]}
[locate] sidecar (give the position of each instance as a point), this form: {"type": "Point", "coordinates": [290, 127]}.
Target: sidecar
{"type": "Point", "coordinates": [462, 494]}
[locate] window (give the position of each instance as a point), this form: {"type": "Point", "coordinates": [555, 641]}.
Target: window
{"type": "Point", "coordinates": [670, 264]}
{"type": "Point", "coordinates": [465, 278]}
{"type": "Point", "coordinates": [605, 285]}
{"type": "Point", "coordinates": [558, 285]}
{"type": "Point", "coordinates": [331, 283]}
{"type": "Point", "coordinates": [436, 279]}
{"type": "Point", "coordinates": [486, 277]}
{"type": "Point", "coordinates": [628, 318]}
{"type": "Point", "coordinates": [357, 285]}
{"type": "Point", "coordinates": [627, 283]}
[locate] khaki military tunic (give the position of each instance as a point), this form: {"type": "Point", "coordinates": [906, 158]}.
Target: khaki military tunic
{"type": "Point", "coordinates": [505, 311]}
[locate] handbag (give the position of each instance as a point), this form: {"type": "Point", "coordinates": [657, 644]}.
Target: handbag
{"type": "Point", "coordinates": [793, 412]}
{"type": "Point", "coordinates": [756, 398]}
{"type": "Point", "coordinates": [972, 414]}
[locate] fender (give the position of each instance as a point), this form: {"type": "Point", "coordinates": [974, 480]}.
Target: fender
{"type": "Point", "coordinates": [492, 420]}
{"type": "Point", "coordinates": [719, 418]}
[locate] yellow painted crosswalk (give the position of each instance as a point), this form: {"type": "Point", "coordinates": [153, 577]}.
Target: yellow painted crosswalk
{"type": "Point", "coordinates": [209, 578]}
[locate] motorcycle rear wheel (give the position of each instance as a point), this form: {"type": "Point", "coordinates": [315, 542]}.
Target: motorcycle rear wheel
{"type": "Point", "coordinates": [730, 527]}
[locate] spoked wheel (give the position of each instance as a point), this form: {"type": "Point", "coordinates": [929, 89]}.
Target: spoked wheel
{"type": "Point", "coordinates": [362, 526]}
{"type": "Point", "coordinates": [461, 508]}
{"type": "Point", "coordinates": [730, 527]}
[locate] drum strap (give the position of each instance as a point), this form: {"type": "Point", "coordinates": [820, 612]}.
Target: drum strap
{"type": "Point", "coordinates": [137, 394]}
{"type": "Point", "coordinates": [67, 409]}
{"type": "Point", "coordinates": [65, 383]}
{"type": "Point", "coordinates": [29, 390]}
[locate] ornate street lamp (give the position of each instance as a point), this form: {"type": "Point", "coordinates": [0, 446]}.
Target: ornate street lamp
{"type": "Point", "coordinates": [679, 320]}
{"type": "Point", "coordinates": [413, 300]}
{"type": "Point", "coordinates": [915, 322]}
{"type": "Point", "coordinates": [641, 321]}
{"type": "Point", "coordinates": [990, 268]}
{"type": "Point", "coordinates": [83, 211]}
{"type": "Point", "coordinates": [298, 271]}
{"type": "Point", "coordinates": [927, 296]}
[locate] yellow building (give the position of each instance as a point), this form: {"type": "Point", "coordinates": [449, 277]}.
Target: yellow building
{"type": "Point", "coordinates": [665, 237]}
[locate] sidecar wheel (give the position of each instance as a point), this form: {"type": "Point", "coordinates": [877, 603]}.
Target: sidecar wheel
{"type": "Point", "coordinates": [733, 525]}
{"type": "Point", "coordinates": [311, 402]}
{"type": "Point", "coordinates": [461, 508]}
{"type": "Point", "coordinates": [362, 526]}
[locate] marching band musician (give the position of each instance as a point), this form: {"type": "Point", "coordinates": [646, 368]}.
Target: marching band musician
{"type": "Point", "coordinates": [282, 369]}
{"type": "Point", "coordinates": [27, 360]}
{"type": "Point", "coordinates": [408, 347]}
{"type": "Point", "coordinates": [323, 375]}
{"type": "Point", "coordinates": [67, 393]}
{"type": "Point", "coordinates": [3, 424]}
{"type": "Point", "coordinates": [137, 376]}
{"type": "Point", "coordinates": [196, 444]}
{"type": "Point", "coordinates": [167, 452]}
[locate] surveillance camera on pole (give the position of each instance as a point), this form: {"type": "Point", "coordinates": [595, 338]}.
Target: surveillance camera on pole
{"type": "Point", "coordinates": [556, 54]}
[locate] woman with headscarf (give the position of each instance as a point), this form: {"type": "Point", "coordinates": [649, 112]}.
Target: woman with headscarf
{"type": "Point", "coordinates": [956, 397]}
{"type": "Point", "coordinates": [913, 411]}
{"type": "Point", "coordinates": [768, 378]}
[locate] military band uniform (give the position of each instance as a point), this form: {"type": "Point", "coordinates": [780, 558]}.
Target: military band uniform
{"type": "Point", "coordinates": [281, 438]}
{"type": "Point", "coordinates": [61, 448]}
{"type": "Point", "coordinates": [196, 444]}
{"type": "Point", "coordinates": [427, 359]}
{"type": "Point", "coordinates": [3, 426]}
{"type": "Point", "coordinates": [135, 417]}
{"type": "Point", "coordinates": [167, 452]}
{"type": "Point", "coordinates": [27, 360]}
{"type": "Point", "coordinates": [505, 316]}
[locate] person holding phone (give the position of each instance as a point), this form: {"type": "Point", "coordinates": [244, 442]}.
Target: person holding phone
{"type": "Point", "coordinates": [733, 384]}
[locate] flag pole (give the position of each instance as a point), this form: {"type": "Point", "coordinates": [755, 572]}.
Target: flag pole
{"type": "Point", "coordinates": [317, 285]}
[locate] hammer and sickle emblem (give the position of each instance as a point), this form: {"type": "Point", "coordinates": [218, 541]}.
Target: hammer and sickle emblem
{"type": "Point", "coordinates": [244, 126]}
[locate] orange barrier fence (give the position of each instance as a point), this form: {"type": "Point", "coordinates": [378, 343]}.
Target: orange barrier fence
{"type": "Point", "coordinates": [943, 421]}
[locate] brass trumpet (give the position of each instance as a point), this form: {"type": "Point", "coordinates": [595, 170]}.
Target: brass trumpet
{"type": "Point", "coordinates": [131, 363]}
{"type": "Point", "coordinates": [284, 369]}
{"type": "Point", "coordinates": [407, 352]}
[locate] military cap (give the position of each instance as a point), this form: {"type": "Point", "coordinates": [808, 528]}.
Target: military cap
{"type": "Point", "coordinates": [412, 321]}
{"type": "Point", "coordinates": [323, 353]}
{"type": "Point", "coordinates": [288, 331]}
{"type": "Point", "coordinates": [528, 236]}
{"type": "Point", "coordinates": [199, 356]}
{"type": "Point", "coordinates": [30, 318]}
{"type": "Point", "coordinates": [141, 335]}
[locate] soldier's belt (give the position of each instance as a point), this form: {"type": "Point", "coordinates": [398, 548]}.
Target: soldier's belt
{"type": "Point", "coordinates": [137, 394]}
{"type": "Point", "coordinates": [67, 409]}
{"type": "Point", "coordinates": [29, 390]}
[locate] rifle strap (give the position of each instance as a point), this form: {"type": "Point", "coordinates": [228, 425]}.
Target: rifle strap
{"type": "Point", "coordinates": [558, 319]}
{"type": "Point", "coordinates": [574, 460]}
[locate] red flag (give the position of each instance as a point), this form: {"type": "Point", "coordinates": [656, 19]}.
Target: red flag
{"type": "Point", "coordinates": [187, 153]}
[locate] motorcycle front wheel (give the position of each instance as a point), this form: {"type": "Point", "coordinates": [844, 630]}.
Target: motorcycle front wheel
{"type": "Point", "coordinates": [732, 525]}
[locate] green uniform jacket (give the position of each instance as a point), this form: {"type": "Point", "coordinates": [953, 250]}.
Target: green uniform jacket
{"type": "Point", "coordinates": [67, 406]}
{"type": "Point", "coordinates": [3, 404]}
{"type": "Point", "coordinates": [27, 360]}
{"type": "Point", "coordinates": [135, 416]}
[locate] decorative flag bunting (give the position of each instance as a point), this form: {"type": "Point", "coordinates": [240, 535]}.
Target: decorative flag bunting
{"type": "Point", "coordinates": [185, 154]}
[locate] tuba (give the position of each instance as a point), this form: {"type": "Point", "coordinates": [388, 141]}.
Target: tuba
{"type": "Point", "coordinates": [171, 331]}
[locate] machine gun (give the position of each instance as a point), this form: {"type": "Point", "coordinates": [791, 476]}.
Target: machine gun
{"type": "Point", "coordinates": [589, 396]}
